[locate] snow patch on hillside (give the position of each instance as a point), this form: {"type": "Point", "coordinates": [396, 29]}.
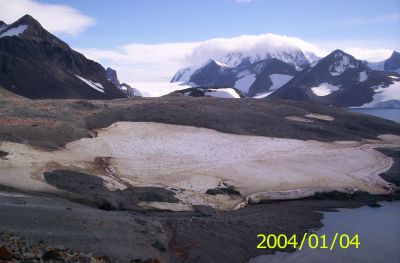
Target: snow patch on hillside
{"type": "Point", "coordinates": [94, 85]}
{"type": "Point", "coordinates": [221, 64]}
{"type": "Point", "coordinates": [341, 65]}
{"type": "Point", "coordinates": [14, 31]}
{"type": "Point", "coordinates": [384, 93]}
{"type": "Point", "coordinates": [278, 80]}
{"type": "Point", "coordinates": [243, 73]}
{"type": "Point", "coordinates": [227, 93]}
{"type": "Point", "coordinates": [324, 89]}
{"type": "Point", "coordinates": [262, 95]}
{"type": "Point", "coordinates": [183, 75]}
{"type": "Point", "coordinates": [363, 76]}
{"type": "Point", "coordinates": [244, 83]}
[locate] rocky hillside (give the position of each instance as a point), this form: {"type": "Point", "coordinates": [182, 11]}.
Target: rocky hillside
{"type": "Point", "coordinates": [36, 64]}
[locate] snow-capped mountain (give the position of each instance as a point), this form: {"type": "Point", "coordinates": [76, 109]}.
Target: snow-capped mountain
{"type": "Point", "coordinates": [36, 64]}
{"type": "Point", "coordinates": [256, 74]}
{"type": "Point", "coordinates": [390, 64]}
{"type": "Point", "coordinates": [341, 80]}
{"type": "Point", "coordinates": [294, 57]}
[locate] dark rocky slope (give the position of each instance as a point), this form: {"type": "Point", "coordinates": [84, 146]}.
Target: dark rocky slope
{"type": "Point", "coordinates": [346, 80]}
{"type": "Point", "coordinates": [50, 123]}
{"type": "Point", "coordinates": [37, 65]}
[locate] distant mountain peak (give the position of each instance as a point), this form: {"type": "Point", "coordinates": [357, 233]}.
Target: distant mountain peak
{"type": "Point", "coordinates": [214, 62]}
{"type": "Point", "coordinates": [393, 62]}
{"type": "Point", "coordinates": [29, 28]}
{"type": "Point", "coordinates": [340, 54]}
{"type": "Point", "coordinates": [339, 61]}
{"type": "Point", "coordinates": [339, 51]}
{"type": "Point", "coordinates": [34, 27]}
{"type": "Point", "coordinates": [295, 57]}
{"type": "Point", "coordinates": [210, 62]}
{"type": "Point", "coordinates": [395, 53]}
{"type": "Point", "coordinates": [111, 75]}
{"type": "Point", "coordinates": [27, 20]}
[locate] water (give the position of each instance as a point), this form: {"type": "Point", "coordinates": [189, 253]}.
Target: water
{"type": "Point", "coordinates": [390, 114]}
{"type": "Point", "coordinates": [378, 228]}
{"type": "Point", "coordinates": [379, 236]}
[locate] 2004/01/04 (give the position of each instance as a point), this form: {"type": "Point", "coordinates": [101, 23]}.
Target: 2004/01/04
{"type": "Point", "coordinates": [313, 241]}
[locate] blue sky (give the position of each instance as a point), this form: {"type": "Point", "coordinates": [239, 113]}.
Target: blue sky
{"type": "Point", "coordinates": [147, 41]}
{"type": "Point", "coordinates": [154, 21]}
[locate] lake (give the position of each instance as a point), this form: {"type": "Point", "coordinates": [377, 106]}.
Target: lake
{"type": "Point", "coordinates": [390, 114]}
{"type": "Point", "coordinates": [379, 237]}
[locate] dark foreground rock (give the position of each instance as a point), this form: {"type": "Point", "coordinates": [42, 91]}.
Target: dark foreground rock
{"type": "Point", "coordinates": [91, 188]}
{"type": "Point", "coordinates": [393, 174]}
{"type": "Point", "coordinates": [17, 249]}
{"type": "Point", "coordinates": [229, 190]}
{"type": "Point", "coordinates": [123, 236]}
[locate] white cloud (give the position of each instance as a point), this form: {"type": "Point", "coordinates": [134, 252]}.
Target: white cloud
{"type": "Point", "coordinates": [370, 20]}
{"type": "Point", "coordinates": [141, 62]}
{"type": "Point", "coordinates": [249, 44]}
{"type": "Point", "coordinates": [54, 17]}
{"type": "Point", "coordinates": [372, 55]}
{"type": "Point", "coordinates": [371, 50]}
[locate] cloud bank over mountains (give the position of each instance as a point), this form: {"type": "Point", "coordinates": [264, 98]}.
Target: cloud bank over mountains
{"type": "Point", "coordinates": [144, 63]}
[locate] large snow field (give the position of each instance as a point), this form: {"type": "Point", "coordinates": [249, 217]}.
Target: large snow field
{"type": "Point", "coordinates": [197, 159]}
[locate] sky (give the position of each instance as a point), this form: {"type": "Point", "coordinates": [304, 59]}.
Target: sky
{"type": "Point", "coordinates": [148, 40]}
